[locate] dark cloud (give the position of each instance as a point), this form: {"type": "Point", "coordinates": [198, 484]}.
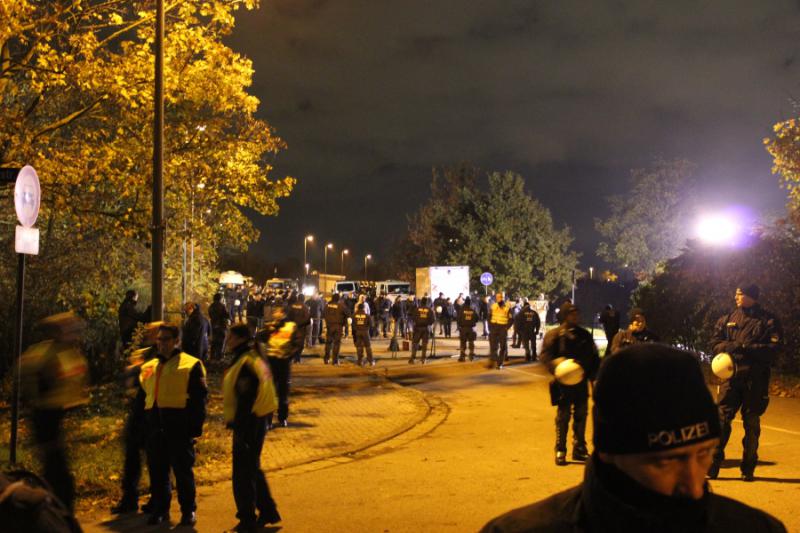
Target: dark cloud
{"type": "Point", "coordinates": [370, 95]}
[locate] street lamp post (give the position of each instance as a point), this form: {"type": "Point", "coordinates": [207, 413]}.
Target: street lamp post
{"type": "Point", "coordinates": [328, 246]}
{"type": "Point", "coordinates": [344, 253]}
{"type": "Point", "coordinates": [366, 258]}
{"type": "Point", "coordinates": [591, 272]}
{"type": "Point", "coordinates": [306, 240]}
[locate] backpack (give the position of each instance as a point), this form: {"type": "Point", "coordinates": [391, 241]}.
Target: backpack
{"type": "Point", "coordinates": [27, 504]}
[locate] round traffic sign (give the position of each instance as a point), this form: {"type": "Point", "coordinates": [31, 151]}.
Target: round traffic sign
{"type": "Point", "coordinates": [487, 278]}
{"type": "Point", "coordinates": [26, 196]}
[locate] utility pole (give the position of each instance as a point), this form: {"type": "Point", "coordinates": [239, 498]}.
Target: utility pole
{"type": "Point", "coordinates": [158, 229]}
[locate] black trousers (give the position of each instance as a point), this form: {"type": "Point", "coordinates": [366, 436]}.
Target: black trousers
{"type": "Point", "coordinates": [578, 409]}
{"type": "Point", "coordinates": [49, 436]}
{"type": "Point", "coordinates": [466, 337]}
{"type": "Point", "coordinates": [498, 343]}
{"type": "Point", "coordinates": [752, 400]}
{"type": "Point", "coordinates": [250, 489]}
{"type": "Point", "coordinates": [446, 322]}
{"type": "Point", "coordinates": [135, 431]}
{"type": "Point", "coordinates": [217, 343]}
{"type": "Point", "coordinates": [528, 341]}
{"type": "Point", "coordinates": [363, 343]}
{"type": "Point", "coordinates": [421, 335]}
{"type": "Point", "coordinates": [167, 451]}
{"type": "Point", "coordinates": [333, 342]}
{"type": "Point", "coordinates": [281, 375]}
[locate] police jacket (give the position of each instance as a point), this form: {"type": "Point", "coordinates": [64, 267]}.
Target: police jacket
{"type": "Point", "coordinates": [571, 343]}
{"type": "Point", "coordinates": [219, 315]}
{"type": "Point", "coordinates": [299, 314]}
{"type": "Point", "coordinates": [248, 390]}
{"type": "Point", "coordinates": [422, 316]}
{"type": "Point", "coordinates": [627, 337]}
{"type": "Point", "coordinates": [361, 322]}
{"type": "Point", "coordinates": [752, 336]}
{"type": "Point", "coordinates": [527, 320]}
{"type": "Point", "coordinates": [194, 337]}
{"type": "Point", "coordinates": [609, 501]}
{"type": "Point", "coordinates": [179, 384]}
{"type": "Point", "coordinates": [467, 318]}
{"type": "Point", "coordinates": [335, 315]}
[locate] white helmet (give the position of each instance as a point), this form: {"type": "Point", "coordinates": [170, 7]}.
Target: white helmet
{"type": "Point", "coordinates": [438, 309]}
{"type": "Point", "coordinates": [723, 366]}
{"type": "Point", "coordinates": [569, 372]}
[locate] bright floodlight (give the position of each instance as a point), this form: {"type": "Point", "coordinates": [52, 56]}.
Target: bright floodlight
{"type": "Point", "coordinates": [717, 229]}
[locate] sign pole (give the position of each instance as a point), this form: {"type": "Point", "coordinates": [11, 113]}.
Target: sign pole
{"type": "Point", "coordinates": [17, 358]}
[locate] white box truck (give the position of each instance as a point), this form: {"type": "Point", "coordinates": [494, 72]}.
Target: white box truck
{"type": "Point", "coordinates": [449, 280]}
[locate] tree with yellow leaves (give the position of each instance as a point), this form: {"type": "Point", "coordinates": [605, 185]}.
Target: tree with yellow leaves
{"type": "Point", "coordinates": [76, 90]}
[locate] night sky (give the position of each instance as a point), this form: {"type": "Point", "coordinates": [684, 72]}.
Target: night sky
{"type": "Point", "coordinates": [369, 95]}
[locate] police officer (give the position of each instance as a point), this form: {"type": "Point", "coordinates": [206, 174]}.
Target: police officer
{"type": "Point", "coordinates": [752, 336]}
{"type": "Point", "coordinates": [174, 391]}
{"type": "Point", "coordinates": [248, 395]}
{"type": "Point", "coordinates": [466, 319]}
{"type": "Point", "coordinates": [652, 450]}
{"type": "Point", "coordinates": [278, 339]}
{"type": "Point", "coordinates": [499, 321]}
{"type": "Point", "coordinates": [636, 333]}
{"type": "Point", "coordinates": [570, 341]}
{"type": "Point", "coordinates": [54, 379]}
{"type": "Point", "coordinates": [527, 324]}
{"type": "Point", "coordinates": [361, 335]}
{"type": "Point", "coordinates": [135, 427]}
{"type": "Point", "coordinates": [299, 314]}
{"type": "Point", "coordinates": [422, 316]}
{"type": "Point", "coordinates": [335, 317]}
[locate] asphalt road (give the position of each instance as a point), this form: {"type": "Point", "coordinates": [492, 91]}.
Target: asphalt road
{"type": "Point", "coordinates": [486, 447]}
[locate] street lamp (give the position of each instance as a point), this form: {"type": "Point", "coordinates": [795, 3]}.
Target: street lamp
{"type": "Point", "coordinates": [307, 266]}
{"type": "Point", "coordinates": [328, 246]}
{"type": "Point", "coordinates": [344, 253]}
{"type": "Point", "coordinates": [306, 240]}
{"type": "Point", "coordinates": [591, 272]}
{"type": "Point", "coordinates": [366, 258]}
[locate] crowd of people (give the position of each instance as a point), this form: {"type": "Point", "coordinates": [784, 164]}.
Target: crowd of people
{"type": "Point", "coordinates": [657, 433]}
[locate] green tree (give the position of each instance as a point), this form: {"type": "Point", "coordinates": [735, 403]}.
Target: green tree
{"type": "Point", "coordinates": [648, 224]}
{"type": "Point", "coordinates": [76, 92]}
{"type": "Point", "coordinates": [502, 230]}
{"type": "Point", "coordinates": [693, 290]}
{"type": "Point", "coordinates": [785, 150]}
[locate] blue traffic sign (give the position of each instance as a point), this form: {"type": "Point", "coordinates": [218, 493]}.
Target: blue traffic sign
{"type": "Point", "coordinates": [487, 278]}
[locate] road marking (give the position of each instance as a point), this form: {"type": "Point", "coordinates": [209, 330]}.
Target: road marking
{"type": "Point", "coordinates": [529, 374]}
{"type": "Point", "coordinates": [773, 428]}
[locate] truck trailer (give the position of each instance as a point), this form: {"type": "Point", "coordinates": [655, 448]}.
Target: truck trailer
{"type": "Point", "coordinates": [449, 280]}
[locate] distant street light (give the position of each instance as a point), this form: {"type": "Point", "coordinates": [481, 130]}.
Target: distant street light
{"type": "Point", "coordinates": [306, 240]}
{"type": "Point", "coordinates": [328, 246]}
{"type": "Point", "coordinates": [344, 253]}
{"type": "Point", "coordinates": [591, 272]}
{"type": "Point", "coordinates": [366, 258]}
{"type": "Point", "coordinates": [307, 266]}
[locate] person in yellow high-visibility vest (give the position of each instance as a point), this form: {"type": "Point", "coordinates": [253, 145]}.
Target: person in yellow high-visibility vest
{"type": "Point", "coordinates": [248, 396]}
{"type": "Point", "coordinates": [54, 379]}
{"type": "Point", "coordinates": [499, 321]}
{"type": "Point", "coordinates": [174, 390]}
{"type": "Point", "coordinates": [278, 341]}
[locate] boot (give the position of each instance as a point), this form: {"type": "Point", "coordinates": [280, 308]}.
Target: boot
{"type": "Point", "coordinates": [561, 458]}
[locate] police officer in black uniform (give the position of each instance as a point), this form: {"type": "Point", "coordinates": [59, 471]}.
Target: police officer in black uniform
{"type": "Point", "coordinates": [467, 318]}
{"type": "Point", "coordinates": [299, 314]}
{"type": "Point", "coordinates": [361, 327]}
{"type": "Point", "coordinates": [752, 336]}
{"type": "Point", "coordinates": [423, 317]}
{"type": "Point", "coordinates": [335, 317]}
{"type": "Point", "coordinates": [636, 333]}
{"type": "Point", "coordinates": [570, 341]}
{"type": "Point", "coordinates": [527, 325]}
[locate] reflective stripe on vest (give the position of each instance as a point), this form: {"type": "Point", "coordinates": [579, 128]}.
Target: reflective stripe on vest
{"type": "Point", "coordinates": [499, 315]}
{"type": "Point", "coordinates": [266, 399]}
{"type": "Point", "coordinates": [70, 368]}
{"type": "Point", "coordinates": [166, 384]}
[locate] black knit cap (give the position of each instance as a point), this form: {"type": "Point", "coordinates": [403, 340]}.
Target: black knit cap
{"type": "Point", "coordinates": [750, 289]}
{"type": "Point", "coordinates": [651, 398]}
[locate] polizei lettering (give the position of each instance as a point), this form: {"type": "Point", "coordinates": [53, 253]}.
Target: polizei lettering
{"type": "Point", "coordinates": [684, 435]}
